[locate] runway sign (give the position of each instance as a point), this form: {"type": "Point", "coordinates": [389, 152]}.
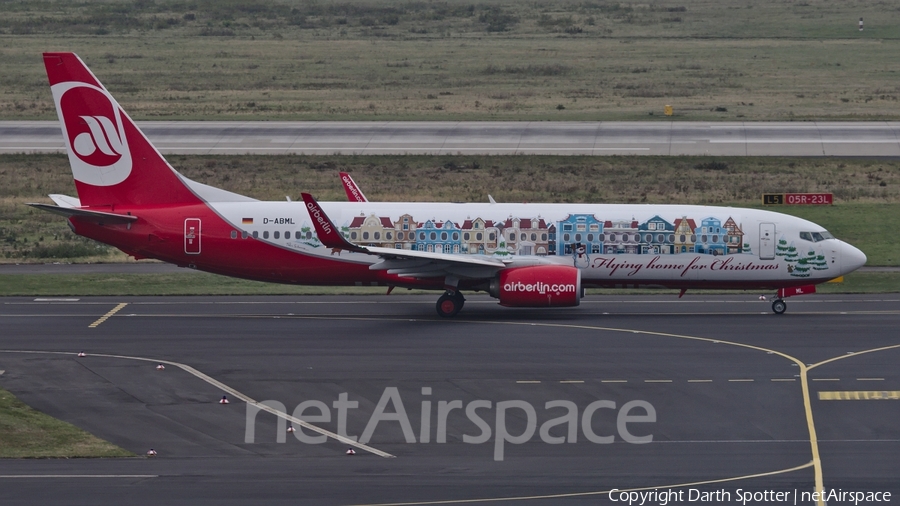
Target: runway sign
{"type": "Point", "coordinates": [795, 199]}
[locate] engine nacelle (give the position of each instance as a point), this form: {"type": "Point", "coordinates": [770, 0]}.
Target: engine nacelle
{"type": "Point", "coordinates": [538, 286]}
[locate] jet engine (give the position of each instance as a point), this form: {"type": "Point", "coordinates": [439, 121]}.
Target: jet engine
{"type": "Point", "coordinates": [538, 286]}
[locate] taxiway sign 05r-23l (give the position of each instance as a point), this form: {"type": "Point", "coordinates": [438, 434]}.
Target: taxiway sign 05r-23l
{"type": "Point", "coordinates": [525, 255]}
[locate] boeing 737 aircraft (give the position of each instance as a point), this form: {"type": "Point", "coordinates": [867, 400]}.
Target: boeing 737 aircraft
{"type": "Point", "coordinates": [525, 255]}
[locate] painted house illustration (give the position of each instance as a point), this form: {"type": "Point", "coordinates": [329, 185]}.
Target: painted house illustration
{"type": "Point", "coordinates": [711, 237]}
{"type": "Point", "coordinates": [551, 239]}
{"type": "Point", "coordinates": [621, 237]}
{"type": "Point", "coordinates": [479, 236]}
{"type": "Point", "coordinates": [438, 237]}
{"type": "Point", "coordinates": [526, 236]}
{"type": "Point", "coordinates": [372, 231]}
{"type": "Point", "coordinates": [579, 229]}
{"type": "Point", "coordinates": [684, 235]}
{"type": "Point", "coordinates": [405, 232]}
{"type": "Point", "coordinates": [734, 237]}
{"type": "Point", "coordinates": [657, 236]}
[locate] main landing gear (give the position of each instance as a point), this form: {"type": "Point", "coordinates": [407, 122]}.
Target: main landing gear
{"type": "Point", "coordinates": [779, 306]}
{"type": "Point", "coordinates": [450, 303]}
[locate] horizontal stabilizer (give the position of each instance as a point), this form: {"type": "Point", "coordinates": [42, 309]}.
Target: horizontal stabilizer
{"type": "Point", "coordinates": [65, 200]}
{"type": "Point", "coordinates": [99, 216]}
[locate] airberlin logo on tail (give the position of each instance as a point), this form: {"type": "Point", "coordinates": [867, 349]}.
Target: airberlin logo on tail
{"type": "Point", "coordinates": [354, 191]}
{"type": "Point", "coordinates": [539, 287]}
{"type": "Point", "coordinates": [317, 215]}
{"type": "Point", "coordinates": [102, 137]}
{"type": "Point", "coordinates": [94, 131]}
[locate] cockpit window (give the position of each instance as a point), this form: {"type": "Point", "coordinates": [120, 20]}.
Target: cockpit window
{"type": "Point", "coordinates": [816, 236]}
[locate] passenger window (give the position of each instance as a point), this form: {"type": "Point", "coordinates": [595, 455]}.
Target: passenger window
{"type": "Point", "coordinates": [256, 234]}
{"type": "Point", "coordinates": [265, 234]}
{"type": "Point", "coordinates": [243, 234]}
{"type": "Point", "coordinates": [234, 234]}
{"type": "Point", "coordinates": [287, 235]}
{"type": "Point", "coordinates": [277, 234]}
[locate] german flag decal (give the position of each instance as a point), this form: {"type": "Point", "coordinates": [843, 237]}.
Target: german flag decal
{"type": "Point", "coordinates": [247, 221]}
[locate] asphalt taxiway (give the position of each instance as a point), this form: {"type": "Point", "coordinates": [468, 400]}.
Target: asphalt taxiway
{"type": "Point", "coordinates": [740, 398]}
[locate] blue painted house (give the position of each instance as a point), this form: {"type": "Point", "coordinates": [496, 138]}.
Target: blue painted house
{"type": "Point", "coordinates": [711, 237]}
{"type": "Point", "coordinates": [438, 237]}
{"type": "Point", "coordinates": [579, 229]}
{"type": "Point", "coordinates": [657, 236]}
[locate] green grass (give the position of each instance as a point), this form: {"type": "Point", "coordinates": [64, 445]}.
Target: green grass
{"type": "Point", "coordinates": [462, 59]}
{"type": "Point", "coordinates": [27, 433]}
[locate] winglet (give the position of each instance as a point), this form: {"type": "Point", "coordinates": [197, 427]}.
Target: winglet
{"type": "Point", "coordinates": [326, 231]}
{"type": "Point", "coordinates": [354, 194]}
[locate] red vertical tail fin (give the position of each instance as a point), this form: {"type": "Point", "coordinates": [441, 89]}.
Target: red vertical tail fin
{"type": "Point", "coordinates": [354, 194]}
{"type": "Point", "coordinates": [112, 161]}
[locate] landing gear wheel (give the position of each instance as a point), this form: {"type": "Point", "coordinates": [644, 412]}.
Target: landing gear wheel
{"type": "Point", "coordinates": [449, 304]}
{"type": "Point", "coordinates": [779, 306]}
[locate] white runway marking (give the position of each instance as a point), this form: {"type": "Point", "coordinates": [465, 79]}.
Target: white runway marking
{"type": "Point", "coordinates": [75, 476]}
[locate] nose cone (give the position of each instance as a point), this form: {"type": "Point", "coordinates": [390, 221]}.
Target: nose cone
{"type": "Point", "coordinates": [851, 258]}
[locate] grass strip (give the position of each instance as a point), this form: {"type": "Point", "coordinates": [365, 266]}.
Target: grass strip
{"type": "Point", "coordinates": [28, 433]}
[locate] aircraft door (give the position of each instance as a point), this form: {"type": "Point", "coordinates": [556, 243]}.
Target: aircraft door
{"type": "Point", "coordinates": [192, 236]}
{"type": "Point", "coordinates": [766, 241]}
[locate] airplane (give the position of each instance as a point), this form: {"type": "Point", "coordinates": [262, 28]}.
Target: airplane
{"type": "Point", "coordinates": [524, 255]}
{"type": "Point", "coordinates": [354, 193]}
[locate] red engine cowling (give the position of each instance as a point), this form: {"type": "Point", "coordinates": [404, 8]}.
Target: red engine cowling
{"type": "Point", "coordinates": [538, 286]}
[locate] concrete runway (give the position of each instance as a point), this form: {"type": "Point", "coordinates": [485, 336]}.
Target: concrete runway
{"type": "Point", "coordinates": [738, 395]}
{"type": "Point", "coordinates": [870, 139]}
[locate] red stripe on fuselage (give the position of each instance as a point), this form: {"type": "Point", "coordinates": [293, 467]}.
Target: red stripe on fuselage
{"type": "Point", "coordinates": [159, 233]}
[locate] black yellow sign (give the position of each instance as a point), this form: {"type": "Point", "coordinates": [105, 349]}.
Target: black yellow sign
{"type": "Point", "coordinates": [773, 199]}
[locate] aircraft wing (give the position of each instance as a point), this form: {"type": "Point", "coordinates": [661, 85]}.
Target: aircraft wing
{"type": "Point", "coordinates": [402, 262]}
{"type": "Point", "coordinates": [98, 216]}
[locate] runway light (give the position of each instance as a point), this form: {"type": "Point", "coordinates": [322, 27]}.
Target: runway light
{"type": "Point", "coordinates": [160, 367]}
{"type": "Point", "coordinates": [290, 428]}
{"type": "Point", "coordinates": [81, 354]}
{"type": "Point", "coordinates": [151, 452]}
{"type": "Point", "coordinates": [351, 451]}
{"type": "Point", "coordinates": [762, 297]}
{"type": "Point", "coordinates": [224, 400]}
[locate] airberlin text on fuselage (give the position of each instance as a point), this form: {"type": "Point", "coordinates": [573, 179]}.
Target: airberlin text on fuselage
{"type": "Point", "coordinates": [683, 267]}
{"type": "Point", "coordinates": [317, 215]}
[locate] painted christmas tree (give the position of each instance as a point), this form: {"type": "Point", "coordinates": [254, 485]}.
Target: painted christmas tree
{"type": "Point", "coordinates": [781, 249]}
{"type": "Point", "coordinates": [819, 263]}
{"type": "Point", "coordinates": [502, 250]}
{"type": "Point", "coordinates": [803, 266]}
{"type": "Point", "coordinates": [791, 255]}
